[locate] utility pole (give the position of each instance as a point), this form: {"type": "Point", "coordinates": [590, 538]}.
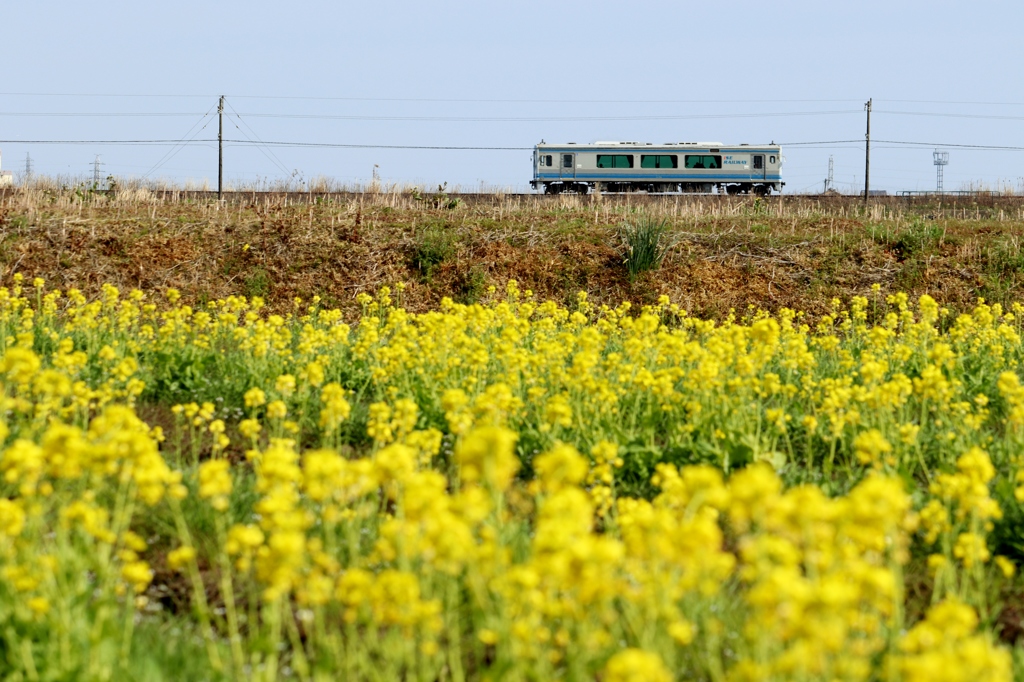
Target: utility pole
{"type": "Point", "coordinates": [220, 149]}
{"type": "Point", "coordinates": [96, 172]}
{"type": "Point", "coordinates": [829, 181]}
{"type": "Point", "coordinates": [867, 154]}
{"type": "Point", "coordinates": [28, 166]}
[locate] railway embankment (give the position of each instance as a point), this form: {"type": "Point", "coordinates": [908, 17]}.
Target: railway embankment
{"type": "Point", "coordinates": [724, 253]}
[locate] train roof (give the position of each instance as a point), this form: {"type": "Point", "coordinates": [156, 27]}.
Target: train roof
{"type": "Point", "coordinates": [604, 144]}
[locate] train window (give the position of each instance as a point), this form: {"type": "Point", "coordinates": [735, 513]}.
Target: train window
{"type": "Point", "coordinates": [659, 161]}
{"type": "Point", "coordinates": [771, 159]}
{"type": "Point", "coordinates": [703, 161]}
{"type": "Point", "coordinates": [566, 160]}
{"type": "Point", "coordinates": [614, 160]}
{"type": "Point", "coordinates": [758, 161]}
{"type": "Point", "coordinates": [545, 160]}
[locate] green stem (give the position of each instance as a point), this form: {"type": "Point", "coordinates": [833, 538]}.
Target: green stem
{"type": "Point", "coordinates": [198, 590]}
{"type": "Point", "coordinates": [298, 652]}
{"type": "Point", "coordinates": [228, 592]}
{"type": "Point", "coordinates": [454, 632]}
{"type": "Point", "coordinates": [129, 630]}
{"type": "Point", "coordinates": [274, 624]}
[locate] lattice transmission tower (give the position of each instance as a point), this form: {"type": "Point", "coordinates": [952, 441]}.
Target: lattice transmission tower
{"type": "Point", "coordinates": [941, 159]}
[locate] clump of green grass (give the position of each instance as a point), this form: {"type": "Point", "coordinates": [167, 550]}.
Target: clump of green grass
{"type": "Point", "coordinates": [434, 245]}
{"type": "Point", "coordinates": [257, 283]}
{"type": "Point", "coordinates": [645, 243]}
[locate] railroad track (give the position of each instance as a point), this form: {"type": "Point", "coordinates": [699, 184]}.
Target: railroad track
{"type": "Point", "coordinates": [979, 199]}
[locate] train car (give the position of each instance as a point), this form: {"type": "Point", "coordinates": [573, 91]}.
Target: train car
{"type": "Point", "coordinates": [645, 167]}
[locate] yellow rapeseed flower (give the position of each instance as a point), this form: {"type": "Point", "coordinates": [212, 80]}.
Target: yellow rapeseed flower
{"type": "Point", "coordinates": [636, 665]}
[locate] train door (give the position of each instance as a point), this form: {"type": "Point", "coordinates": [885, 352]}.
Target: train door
{"type": "Point", "coordinates": [567, 168]}
{"type": "Point", "coordinates": [759, 169]}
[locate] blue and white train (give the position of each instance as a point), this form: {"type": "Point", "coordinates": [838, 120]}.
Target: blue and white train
{"type": "Point", "coordinates": [645, 167]}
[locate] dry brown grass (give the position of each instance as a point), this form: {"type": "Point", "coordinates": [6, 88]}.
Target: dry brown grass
{"type": "Point", "coordinates": [730, 252]}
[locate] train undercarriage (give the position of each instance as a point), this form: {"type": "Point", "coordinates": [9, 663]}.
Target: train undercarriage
{"type": "Point", "coordinates": [569, 187]}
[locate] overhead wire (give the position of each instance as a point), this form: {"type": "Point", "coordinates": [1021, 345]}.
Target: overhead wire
{"type": "Point", "coordinates": [546, 101]}
{"type": "Point", "coordinates": [267, 151]}
{"type": "Point", "coordinates": [808, 144]}
{"type": "Point", "coordinates": [97, 114]}
{"type": "Point", "coordinates": [931, 114]}
{"type": "Point", "coordinates": [333, 145]}
{"type": "Point", "coordinates": [940, 101]}
{"type": "Point", "coordinates": [504, 100]}
{"type": "Point", "coordinates": [980, 147]}
{"type": "Point", "coordinates": [97, 94]}
{"type": "Point", "coordinates": [508, 119]}
{"type": "Point", "coordinates": [171, 153]}
{"type": "Point", "coordinates": [547, 119]}
{"type": "Point", "coordinates": [432, 99]}
{"type": "Point", "coordinates": [151, 143]}
{"type": "Point", "coordinates": [454, 119]}
{"type": "Point", "coordinates": [907, 143]}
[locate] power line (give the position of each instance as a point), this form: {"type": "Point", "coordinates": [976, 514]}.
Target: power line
{"type": "Point", "coordinates": [547, 119]}
{"type": "Point", "coordinates": [68, 114]}
{"type": "Point", "coordinates": [614, 101]}
{"type": "Point", "coordinates": [940, 101]}
{"type": "Point", "coordinates": [436, 99]}
{"type": "Point", "coordinates": [454, 119]}
{"type": "Point", "coordinates": [811, 144]}
{"type": "Point", "coordinates": [504, 119]}
{"type": "Point", "coordinates": [983, 147]}
{"type": "Point", "coordinates": [269, 153]}
{"type": "Point", "coordinates": [114, 142]}
{"type": "Point", "coordinates": [276, 144]}
{"type": "Point", "coordinates": [950, 115]}
{"type": "Point", "coordinates": [483, 100]}
{"type": "Point", "coordinates": [85, 94]}
{"type": "Point", "coordinates": [546, 101]}
{"type": "Point", "coordinates": [331, 145]}
{"type": "Point", "coordinates": [173, 151]}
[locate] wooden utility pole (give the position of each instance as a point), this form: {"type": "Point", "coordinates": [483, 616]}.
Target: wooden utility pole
{"type": "Point", "coordinates": [867, 154]}
{"type": "Point", "coordinates": [220, 149]}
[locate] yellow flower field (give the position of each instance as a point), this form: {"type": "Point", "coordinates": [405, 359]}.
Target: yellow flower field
{"type": "Point", "coordinates": [507, 491]}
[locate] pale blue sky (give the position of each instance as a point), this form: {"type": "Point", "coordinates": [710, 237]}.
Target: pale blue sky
{"type": "Point", "coordinates": [509, 74]}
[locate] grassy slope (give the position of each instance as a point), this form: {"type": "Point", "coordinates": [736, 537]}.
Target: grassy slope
{"type": "Point", "coordinates": [728, 253]}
